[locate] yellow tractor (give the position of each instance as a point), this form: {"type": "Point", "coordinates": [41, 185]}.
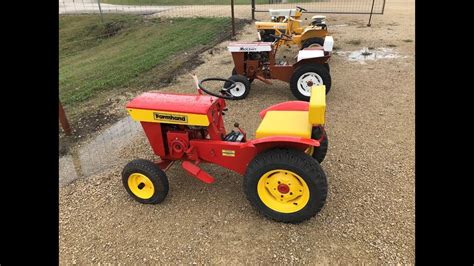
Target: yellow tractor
{"type": "Point", "coordinates": [288, 22]}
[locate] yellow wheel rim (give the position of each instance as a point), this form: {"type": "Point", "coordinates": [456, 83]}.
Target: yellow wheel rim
{"type": "Point", "coordinates": [141, 186]}
{"type": "Point", "coordinates": [283, 191]}
{"type": "Point", "coordinates": [309, 150]}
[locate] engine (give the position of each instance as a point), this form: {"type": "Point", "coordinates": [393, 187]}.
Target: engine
{"type": "Point", "coordinates": [178, 137]}
{"type": "Point", "coordinates": [278, 18]}
{"type": "Point", "coordinates": [257, 60]}
{"type": "Point", "coordinates": [265, 35]}
{"type": "Point", "coordinates": [260, 56]}
{"type": "Point", "coordinates": [319, 21]}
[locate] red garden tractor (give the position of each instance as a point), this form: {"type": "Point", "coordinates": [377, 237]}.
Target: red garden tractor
{"type": "Point", "coordinates": [283, 178]}
{"type": "Point", "coordinates": [256, 60]}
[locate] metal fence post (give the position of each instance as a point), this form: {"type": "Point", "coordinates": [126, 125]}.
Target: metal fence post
{"type": "Point", "coordinates": [233, 18]}
{"type": "Point", "coordinates": [253, 9]}
{"type": "Point", "coordinates": [371, 11]}
{"type": "Point", "coordinates": [63, 120]}
{"type": "Point", "coordinates": [100, 10]}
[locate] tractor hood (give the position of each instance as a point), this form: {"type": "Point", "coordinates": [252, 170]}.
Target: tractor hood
{"type": "Point", "coordinates": [169, 102]}
{"type": "Point", "coordinates": [270, 25]}
{"type": "Point", "coordinates": [249, 47]}
{"type": "Point", "coordinates": [282, 12]}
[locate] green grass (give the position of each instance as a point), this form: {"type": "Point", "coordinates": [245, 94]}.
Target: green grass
{"type": "Point", "coordinates": [194, 2]}
{"type": "Point", "coordinates": [96, 57]}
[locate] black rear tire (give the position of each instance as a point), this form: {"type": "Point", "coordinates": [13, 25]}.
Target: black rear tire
{"type": "Point", "coordinates": [241, 83]}
{"type": "Point", "coordinates": [158, 178]}
{"type": "Point", "coordinates": [319, 69]}
{"type": "Point", "coordinates": [320, 153]}
{"type": "Point", "coordinates": [297, 162]}
{"type": "Point", "coordinates": [326, 65]}
{"type": "Point", "coordinates": [313, 41]}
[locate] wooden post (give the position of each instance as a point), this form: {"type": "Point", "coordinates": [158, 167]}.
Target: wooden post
{"type": "Point", "coordinates": [233, 18]}
{"type": "Point", "coordinates": [63, 119]}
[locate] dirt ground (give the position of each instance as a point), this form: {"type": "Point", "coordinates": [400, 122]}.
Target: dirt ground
{"type": "Point", "coordinates": [369, 216]}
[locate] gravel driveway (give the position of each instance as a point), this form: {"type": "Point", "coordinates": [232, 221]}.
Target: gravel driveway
{"type": "Point", "coordinates": [369, 216]}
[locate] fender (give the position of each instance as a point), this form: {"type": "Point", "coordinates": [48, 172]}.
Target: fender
{"type": "Point", "coordinates": [311, 53]}
{"type": "Point", "coordinates": [263, 144]}
{"type": "Point", "coordinates": [310, 32]}
{"type": "Point", "coordinates": [315, 60]}
{"type": "Point", "coordinates": [286, 106]}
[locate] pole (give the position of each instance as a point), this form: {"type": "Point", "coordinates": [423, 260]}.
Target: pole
{"type": "Point", "coordinates": [371, 11]}
{"type": "Point", "coordinates": [233, 18]}
{"type": "Point", "coordinates": [100, 10]}
{"type": "Point", "coordinates": [253, 9]}
{"type": "Point", "coordinates": [63, 119]}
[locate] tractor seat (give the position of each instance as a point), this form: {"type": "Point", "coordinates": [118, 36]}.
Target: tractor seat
{"type": "Point", "coordinates": [295, 123]}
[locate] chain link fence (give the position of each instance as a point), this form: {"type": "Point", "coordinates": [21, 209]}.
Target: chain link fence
{"type": "Point", "coordinates": [159, 8]}
{"type": "Point", "coordinates": [104, 149]}
{"type": "Point", "coordinates": [244, 9]}
{"type": "Point", "coordinates": [327, 6]}
{"type": "Point", "coordinates": [361, 7]}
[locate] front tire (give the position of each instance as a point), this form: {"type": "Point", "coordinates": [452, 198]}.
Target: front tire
{"type": "Point", "coordinates": [241, 89]}
{"type": "Point", "coordinates": [286, 185]}
{"type": "Point", "coordinates": [305, 77]}
{"type": "Point", "coordinates": [145, 181]}
{"type": "Point", "coordinates": [234, 72]}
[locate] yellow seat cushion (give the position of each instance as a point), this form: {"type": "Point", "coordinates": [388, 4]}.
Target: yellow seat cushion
{"type": "Point", "coordinates": [317, 105]}
{"type": "Point", "coordinates": [285, 123]}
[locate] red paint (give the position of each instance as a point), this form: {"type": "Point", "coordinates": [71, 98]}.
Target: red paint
{"type": "Point", "coordinates": [298, 143]}
{"type": "Point", "coordinates": [286, 106]}
{"type": "Point", "coordinates": [178, 143]}
{"type": "Point", "coordinates": [169, 102]}
{"type": "Point", "coordinates": [155, 137]}
{"type": "Point", "coordinates": [205, 144]}
{"type": "Point", "coordinates": [157, 133]}
{"type": "Point", "coordinates": [211, 151]}
{"type": "Point", "coordinates": [216, 127]}
{"type": "Point", "coordinates": [197, 172]}
{"type": "Point", "coordinates": [283, 188]}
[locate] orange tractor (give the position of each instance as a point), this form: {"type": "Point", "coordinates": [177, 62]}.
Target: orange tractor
{"type": "Point", "coordinates": [283, 178]}
{"type": "Point", "coordinates": [257, 60]}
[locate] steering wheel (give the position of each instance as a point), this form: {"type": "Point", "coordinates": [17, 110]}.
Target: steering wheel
{"type": "Point", "coordinates": [224, 92]}
{"type": "Point", "coordinates": [300, 8]}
